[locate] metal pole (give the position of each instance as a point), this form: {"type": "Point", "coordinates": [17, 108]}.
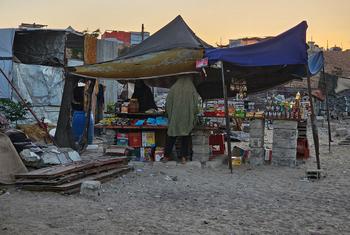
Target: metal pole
{"type": "Point", "coordinates": [313, 121]}
{"type": "Point", "coordinates": [40, 123]}
{"type": "Point", "coordinates": [228, 130]}
{"type": "Point", "coordinates": [328, 114]}
{"type": "Point", "coordinates": [142, 32]}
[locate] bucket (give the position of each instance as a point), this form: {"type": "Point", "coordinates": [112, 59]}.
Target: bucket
{"type": "Point", "coordinates": [78, 125]}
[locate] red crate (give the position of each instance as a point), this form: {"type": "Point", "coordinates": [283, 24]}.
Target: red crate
{"type": "Point", "coordinates": [217, 144]}
{"type": "Point", "coordinates": [135, 139]}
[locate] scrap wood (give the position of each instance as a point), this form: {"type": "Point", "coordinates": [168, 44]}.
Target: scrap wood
{"type": "Point", "coordinates": [69, 177]}
{"type": "Point", "coordinates": [74, 186]}
{"type": "Point", "coordinates": [57, 171]}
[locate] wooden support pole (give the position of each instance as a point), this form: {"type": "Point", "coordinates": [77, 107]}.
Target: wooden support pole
{"type": "Point", "coordinates": [328, 114]}
{"type": "Point", "coordinates": [227, 118]}
{"type": "Point", "coordinates": [313, 121]}
{"type": "Point", "coordinates": [64, 136]}
{"type": "Point", "coordinates": [84, 140]}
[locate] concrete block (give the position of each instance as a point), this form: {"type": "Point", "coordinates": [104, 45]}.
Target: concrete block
{"type": "Point", "coordinates": [256, 156]}
{"type": "Point", "coordinates": [284, 162]}
{"type": "Point", "coordinates": [90, 189]}
{"type": "Point", "coordinates": [201, 149]}
{"type": "Point", "coordinates": [200, 140]}
{"type": "Point", "coordinates": [256, 133]}
{"type": "Point", "coordinates": [285, 124]}
{"type": "Point", "coordinates": [256, 124]}
{"type": "Point", "coordinates": [198, 132]}
{"type": "Point", "coordinates": [255, 142]}
{"type": "Point", "coordinates": [285, 138]}
{"type": "Point", "coordinates": [341, 132]}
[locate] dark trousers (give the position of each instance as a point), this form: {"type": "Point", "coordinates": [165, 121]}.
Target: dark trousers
{"type": "Point", "coordinates": [185, 145]}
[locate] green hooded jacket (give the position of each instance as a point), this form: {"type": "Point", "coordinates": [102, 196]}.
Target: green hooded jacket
{"type": "Point", "coordinates": [182, 107]}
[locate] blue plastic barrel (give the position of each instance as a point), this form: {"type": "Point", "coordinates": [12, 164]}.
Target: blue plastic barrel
{"type": "Point", "coordinates": [78, 125]}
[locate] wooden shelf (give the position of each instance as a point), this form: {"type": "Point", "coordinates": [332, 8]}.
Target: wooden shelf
{"type": "Point", "coordinates": [132, 127]}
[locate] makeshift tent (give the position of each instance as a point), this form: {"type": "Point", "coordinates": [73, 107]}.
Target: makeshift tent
{"type": "Point", "coordinates": [173, 50]}
{"type": "Point", "coordinates": [6, 42]}
{"type": "Point", "coordinates": [277, 60]}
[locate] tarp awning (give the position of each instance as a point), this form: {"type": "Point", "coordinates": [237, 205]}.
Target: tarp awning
{"type": "Point", "coordinates": [288, 48]}
{"type": "Point", "coordinates": [316, 62]}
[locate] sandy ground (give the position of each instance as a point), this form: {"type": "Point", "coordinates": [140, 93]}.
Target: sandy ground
{"type": "Point", "coordinates": [262, 200]}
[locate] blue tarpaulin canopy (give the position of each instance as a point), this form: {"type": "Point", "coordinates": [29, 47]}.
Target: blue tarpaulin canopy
{"type": "Point", "coordinates": [263, 65]}
{"type": "Point", "coordinates": [316, 62]}
{"type": "Point", "coordinates": [288, 48]}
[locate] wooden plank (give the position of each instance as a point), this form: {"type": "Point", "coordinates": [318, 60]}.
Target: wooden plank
{"type": "Point", "coordinates": [69, 177]}
{"type": "Point", "coordinates": [132, 127]}
{"type": "Point", "coordinates": [56, 171]}
{"type": "Point", "coordinates": [103, 177]}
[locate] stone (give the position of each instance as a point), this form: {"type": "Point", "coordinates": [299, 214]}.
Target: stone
{"type": "Point", "coordinates": [341, 132]}
{"type": "Point", "coordinates": [90, 189]}
{"type": "Point", "coordinates": [50, 157]}
{"type": "Point", "coordinates": [29, 156]}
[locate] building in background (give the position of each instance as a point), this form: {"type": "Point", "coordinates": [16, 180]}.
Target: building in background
{"type": "Point", "coordinates": [245, 41]}
{"type": "Point", "coordinates": [127, 38]}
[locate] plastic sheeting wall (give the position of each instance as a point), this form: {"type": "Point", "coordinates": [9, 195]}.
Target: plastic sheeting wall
{"type": "Point", "coordinates": [108, 50]}
{"type": "Point", "coordinates": [42, 86]}
{"type": "Point", "coordinates": [6, 42]}
{"type": "Point", "coordinates": [42, 47]}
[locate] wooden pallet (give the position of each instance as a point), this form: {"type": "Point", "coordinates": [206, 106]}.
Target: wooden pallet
{"type": "Point", "coordinates": [60, 170]}
{"type": "Point", "coordinates": [68, 178]}
{"type": "Point", "coordinates": [74, 186]}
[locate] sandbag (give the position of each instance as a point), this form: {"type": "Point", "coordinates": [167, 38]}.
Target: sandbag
{"type": "Point", "coordinates": [10, 162]}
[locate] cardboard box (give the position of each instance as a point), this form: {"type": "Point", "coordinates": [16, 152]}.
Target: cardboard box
{"type": "Point", "coordinates": [135, 139]}
{"type": "Point", "coordinates": [146, 154]}
{"type": "Point", "coordinates": [148, 139]}
{"type": "Point", "coordinates": [159, 154]}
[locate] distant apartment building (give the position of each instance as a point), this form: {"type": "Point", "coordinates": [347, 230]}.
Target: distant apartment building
{"type": "Point", "coordinates": [245, 41]}
{"type": "Point", "coordinates": [126, 38]}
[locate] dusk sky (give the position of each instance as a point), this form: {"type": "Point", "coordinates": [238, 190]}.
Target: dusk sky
{"type": "Point", "coordinates": [211, 20]}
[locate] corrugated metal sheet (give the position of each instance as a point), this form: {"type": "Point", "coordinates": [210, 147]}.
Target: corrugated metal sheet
{"type": "Point", "coordinates": [108, 50]}
{"type": "Point", "coordinates": [90, 48]}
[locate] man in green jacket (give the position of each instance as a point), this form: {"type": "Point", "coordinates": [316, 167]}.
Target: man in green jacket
{"type": "Point", "coordinates": [182, 108]}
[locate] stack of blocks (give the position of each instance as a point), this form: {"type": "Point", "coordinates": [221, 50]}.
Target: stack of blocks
{"type": "Point", "coordinates": [256, 142]}
{"type": "Point", "coordinates": [284, 147]}
{"type": "Point", "coordinates": [200, 146]}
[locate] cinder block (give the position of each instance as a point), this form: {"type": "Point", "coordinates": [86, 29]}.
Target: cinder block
{"type": "Point", "coordinates": [256, 124]}
{"type": "Point", "coordinates": [285, 138]}
{"type": "Point", "coordinates": [201, 149]}
{"type": "Point", "coordinates": [256, 156]}
{"type": "Point", "coordinates": [256, 142]}
{"type": "Point", "coordinates": [285, 124]}
{"type": "Point", "coordinates": [284, 153]}
{"type": "Point", "coordinates": [284, 162]}
{"type": "Point", "coordinates": [200, 140]}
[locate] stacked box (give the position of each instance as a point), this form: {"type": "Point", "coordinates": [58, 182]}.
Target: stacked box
{"type": "Point", "coordinates": [256, 142]}
{"type": "Point", "coordinates": [284, 147]}
{"type": "Point", "coordinates": [148, 139]}
{"type": "Point", "coordinates": [200, 146]}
